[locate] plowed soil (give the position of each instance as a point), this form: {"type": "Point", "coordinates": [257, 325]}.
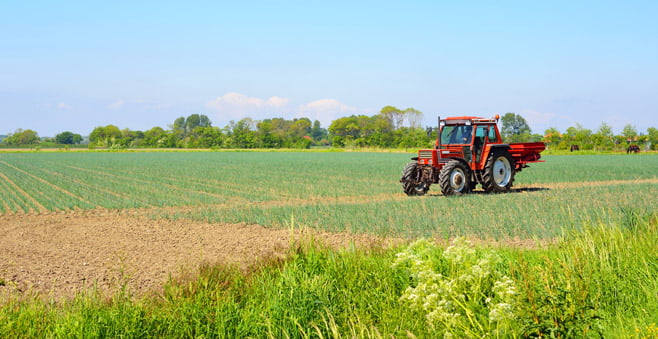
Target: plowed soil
{"type": "Point", "coordinates": [61, 254]}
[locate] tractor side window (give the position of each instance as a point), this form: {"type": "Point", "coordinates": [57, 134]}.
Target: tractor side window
{"type": "Point", "coordinates": [492, 135]}
{"type": "Point", "coordinates": [480, 134]}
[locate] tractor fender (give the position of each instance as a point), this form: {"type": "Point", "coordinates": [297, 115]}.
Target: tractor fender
{"type": "Point", "coordinates": [500, 146]}
{"type": "Point", "coordinates": [462, 161]}
{"type": "Point", "coordinates": [488, 149]}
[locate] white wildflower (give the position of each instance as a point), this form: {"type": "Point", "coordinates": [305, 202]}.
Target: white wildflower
{"type": "Point", "coordinates": [470, 284]}
{"type": "Point", "coordinates": [501, 311]}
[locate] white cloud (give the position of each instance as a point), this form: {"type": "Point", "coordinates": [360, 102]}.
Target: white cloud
{"type": "Point", "coordinates": [62, 105]}
{"type": "Point", "coordinates": [325, 110]}
{"type": "Point", "coordinates": [277, 102]}
{"type": "Point", "coordinates": [116, 105]}
{"type": "Point", "coordinates": [236, 106]}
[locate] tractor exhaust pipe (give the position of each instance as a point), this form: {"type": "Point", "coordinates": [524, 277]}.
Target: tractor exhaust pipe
{"type": "Point", "coordinates": [438, 134]}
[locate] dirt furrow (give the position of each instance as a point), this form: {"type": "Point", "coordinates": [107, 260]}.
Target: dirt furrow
{"type": "Point", "coordinates": [61, 254]}
{"type": "Point", "coordinates": [582, 184]}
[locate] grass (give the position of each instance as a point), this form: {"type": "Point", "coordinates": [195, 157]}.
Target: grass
{"type": "Point", "coordinates": [600, 281]}
{"type": "Point", "coordinates": [600, 277]}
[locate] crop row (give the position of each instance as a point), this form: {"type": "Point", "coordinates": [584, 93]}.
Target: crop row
{"type": "Point", "coordinates": [335, 191]}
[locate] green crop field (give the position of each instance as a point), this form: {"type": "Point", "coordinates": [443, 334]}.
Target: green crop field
{"type": "Point", "coordinates": [591, 272]}
{"type": "Point", "coordinates": [357, 192]}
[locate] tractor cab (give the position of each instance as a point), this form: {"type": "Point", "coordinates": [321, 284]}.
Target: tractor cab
{"type": "Point", "coordinates": [465, 138]}
{"type": "Point", "coordinates": [468, 151]}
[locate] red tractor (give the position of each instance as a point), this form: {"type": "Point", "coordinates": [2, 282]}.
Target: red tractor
{"type": "Point", "coordinates": [468, 151]}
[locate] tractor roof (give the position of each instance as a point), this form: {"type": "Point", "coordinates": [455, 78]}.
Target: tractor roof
{"type": "Point", "coordinates": [469, 119]}
{"type": "Point", "coordinates": [462, 118]}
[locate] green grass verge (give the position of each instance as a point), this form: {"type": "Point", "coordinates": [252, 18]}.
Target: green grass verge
{"type": "Point", "coordinates": [599, 281]}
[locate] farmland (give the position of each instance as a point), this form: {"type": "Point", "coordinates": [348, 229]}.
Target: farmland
{"type": "Point", "coordinates": [599, 209]}
{"type": "Point", "coordinates": [355, 192]}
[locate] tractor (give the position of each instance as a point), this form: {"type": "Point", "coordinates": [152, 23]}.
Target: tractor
{"type": "Point", "coordinates": [468, 151]}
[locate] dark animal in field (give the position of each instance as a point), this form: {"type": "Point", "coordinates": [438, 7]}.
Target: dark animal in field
{"type": "Point", "coordinates": [633, 149]}
{"type": "Point", "coordinates": [575, 148]}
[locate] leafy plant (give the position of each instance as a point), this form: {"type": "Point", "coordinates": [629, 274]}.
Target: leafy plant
{"type": "Point", "coordinates": [463, 293]}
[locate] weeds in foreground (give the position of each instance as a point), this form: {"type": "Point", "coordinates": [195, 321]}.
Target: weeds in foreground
{"type": "Point", "coordinates": [598, 282]}
{"type": "Point", "coordinates": [462, 292]}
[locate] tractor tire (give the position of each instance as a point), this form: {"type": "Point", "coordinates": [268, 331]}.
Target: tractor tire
{"type": "Point", "coordinates": [410, 186]}
{"type": "Point", "coordinates": [499, 172]}
{"type": "Point", "coordinates": [455, 178]}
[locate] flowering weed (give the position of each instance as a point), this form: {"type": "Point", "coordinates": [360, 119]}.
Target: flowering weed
{"type": "Point", "coordinates": [462, 292]}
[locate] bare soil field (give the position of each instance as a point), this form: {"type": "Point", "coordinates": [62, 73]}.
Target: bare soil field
{"type": "Point", "coordinates": [61, 254]}
{"type": "Point", "coordinates": [64, 253]}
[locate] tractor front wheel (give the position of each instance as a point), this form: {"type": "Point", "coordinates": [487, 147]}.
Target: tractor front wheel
{"type": "Point", "coordinates": [499, 172]}
{"type": "Point", "coordinates": [455, 178]}
{"type": "Point", "coordinates": [411, 183]}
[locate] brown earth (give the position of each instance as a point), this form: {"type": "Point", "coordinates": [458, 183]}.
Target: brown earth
{"type": "Point", "coordinates": [63, 253]}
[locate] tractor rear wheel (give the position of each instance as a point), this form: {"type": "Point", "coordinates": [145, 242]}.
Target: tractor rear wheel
{"type": "Point", "coordinates": [410, 184]}
{"type": "Point", "coordinates": [499, 172]}
{"type": "Point", "coordinates": [455, 178]}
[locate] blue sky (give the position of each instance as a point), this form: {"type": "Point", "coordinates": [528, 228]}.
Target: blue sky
{"type": "Point", "coordinates": [72, 66]}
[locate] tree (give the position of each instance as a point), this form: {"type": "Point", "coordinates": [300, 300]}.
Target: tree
{"type": "Point", "coordinates": [393, 115]}
{"type": "Point", "coordinates": [195, 120]}
{"type": "Point", "coordinates": [206, 137]}
{"type": "Point", "coordinates": [652, 135]}
{"type": "Point", "coordinates": [318, 133]}
{"type": "Point", "coordinates": [68, 138]}
{"type": "Point", "coordinates": [579, 135]}
{"type": "Point", "coordinates": [414, 116]}
{"type": "Point", "coordinates": [179, 124]}
{"type": "Point", "coordinates": [105, 136]}
{"type": "Point", "coordinates": [186, 125]}
{"type": "Point", "coordinates": [603, 138]}
{"type": "Point", "coordinates": [241, 134]}
{"type": "Point", "coordinates": [514, 128]}
{"type": "Point", "coordinates": [605, 130]}
{"type": "Point", "coordinates": [345, 127]}
{"type": "Point", "coordinates": [299, 128]}
{"type": "Point", "coordinates": [629, 132]}
{"type": "Point", "coordinates": [154, 137]}
{"type": "Point", "coordinates": [552, 136]}
{"type": "Point", "coordinates": [22, 137]}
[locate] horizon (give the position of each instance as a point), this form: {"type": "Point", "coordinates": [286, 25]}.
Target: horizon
{"type": "Point", "coordinates": [640, 130]}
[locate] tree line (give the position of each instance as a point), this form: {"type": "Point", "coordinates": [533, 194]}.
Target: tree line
{"type": "Point", "coordinates": [390, 128]}
{"type": "Point", "coordinates": [515, 129]}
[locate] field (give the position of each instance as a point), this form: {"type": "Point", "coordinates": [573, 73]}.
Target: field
{"type": "Point", "coordinates": [77, 220]}
{"type": "Point", "coordinates": [355, 192]}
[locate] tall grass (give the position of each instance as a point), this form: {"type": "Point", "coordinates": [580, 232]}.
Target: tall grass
{"type": "Point", "coordinates": [600, 281]}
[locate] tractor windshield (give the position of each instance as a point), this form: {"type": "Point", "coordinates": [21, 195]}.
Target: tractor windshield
{"type": "Point", "coordinates": [456, 134]}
